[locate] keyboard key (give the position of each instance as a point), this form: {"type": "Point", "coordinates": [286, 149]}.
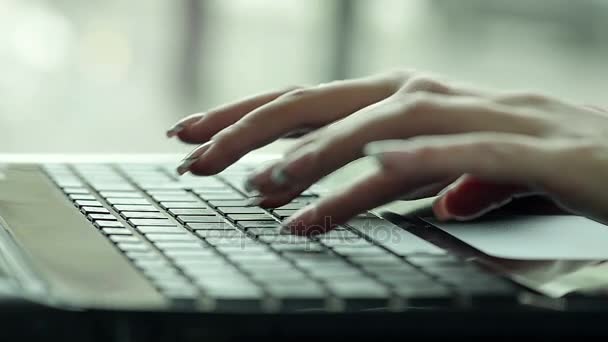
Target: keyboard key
{"type": "Point", "coordinates": [197, 254]}
{"type": "Point", "coordinates": [167, 245]}
{"type": "Point", "coordinates": [259, 224]}
{"type": "Point", "coordinates": [102, 217]}
{"type": "Point", "coordinates": [348, 251]}
{"type": "Point", "coordinates": [127, 201]}
{"type": "Point", "coordinates": [337, 272]}
{"type": "Point", "coordinates": [175, 198]}
{"type": "Point", "coordinates": [210, 226]}
{"type": "Point", "coordinates": [372, 260]}
{"type": "Point", "coordinates": [251, 217]}
{"type": "Point", "coordinates": [436, 261]}
{"type": "Point", "coordinates": [163, 186]}
{"type": "Point", "coordinates": [235, 299]}
{"type": "Point", "coordinates": [120, 194]}
{"type": "Point", "coordinates": [209, 196]}
{"type": "Point", "coordinates": [170, 237]}
{"type": "Point", "coordinates": [161, 230]}
{"type": "Point", "coordinates": [360, 288]}
{"type": "Point", "coordinates": [99, 210]}
{"type": "Point", "coordinates": [149, 254]}
{"type": "Point", "coordinates": [241, 210]}
{"type": "Point", "coordinates": [124, 238]}
{"type": "Point", "coordinates": [113, 187]}
{"type": "Point", "coordinates": [183, 205]}
{"type": "Point", "coordinates": [168, 192]}
{"type": "Point", "coordinates": [286, 239]}
{"type": "Point", "coordinates": [132, 247]}
{"type": "Point", "coordinates": [303, 289]}
{"type": "Point", "coordinates": [228, 203]}
{"type": "Point", "coordinates": [202, 219]}
{"type": "Point", "coordinates": [241, 241]}
{"type": "Point", "coordinates": [226, 234]}
{"type": "Point", "coordinates": [198, 212]}
{"type": "Point", "coordinates": [265, 231]}
{"type": "Point", "coordinates": [87, 203]}
{"type": "Point", "coordinates": [249, 249]}
{"type": "Point", "coordinates": [69, 190]}
{"type": "Point", "coordinates": [81, 197]}
{"type": "Point", "coordinates": [143, 214]}
{"type": "Point", "coordinates": [108, 224]}
{"type": "Point", "coordinates": [338, 234]}
{"type": "Point", "coordinates": [116, 231]}
{"type": "Point", "coordinates": [152, 222]}
{"type": "Point", "coordinates": [267, 257]}
{"type": "Point", "coordinates": [298, 250]}
{"type": "Point", "coordinates": [123, 207]}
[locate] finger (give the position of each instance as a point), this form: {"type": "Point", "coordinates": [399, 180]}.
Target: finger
{"type": "Point", "coordinates": [471, 197]}
{"type": "Point", "coordinates": [199, 128]}
{"type": "Point", "coordinates": [332, 210]}
{"type": "Point", "coordinates": [501, 158]}
{"type": "Point", "coordinates": [426, 191]}
{"type": "Point", "coordinates": [278, 199]}
{"type": "Point", "coordinates": [394, 119]}
{"type": "Point", "coordinates": [183, 123]}
{"type": "Point", "coordinates": [301, 108]}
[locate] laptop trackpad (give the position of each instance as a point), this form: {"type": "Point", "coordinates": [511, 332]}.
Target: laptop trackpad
{"type": "Point", "coordinates": [533, 237]}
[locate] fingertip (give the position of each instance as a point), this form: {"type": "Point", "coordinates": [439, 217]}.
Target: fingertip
{"type": "Point", "coordinates": [183, 124]}
{"type": "Point", "coordinates": [440, 209]}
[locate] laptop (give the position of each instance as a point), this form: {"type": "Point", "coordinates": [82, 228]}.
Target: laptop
{"type": "Point", "coordinates": [125, 237]}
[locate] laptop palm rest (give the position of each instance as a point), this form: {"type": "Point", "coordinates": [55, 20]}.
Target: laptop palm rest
{"type": "Point", "coordinates": [80, 267]}
{"type": "Point", "coordinates": [532, 237]}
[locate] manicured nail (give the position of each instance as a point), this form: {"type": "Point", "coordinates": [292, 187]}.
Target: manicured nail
{"type": "Point", "coordinates": [171, 132]}
{"type": "Point", "coordinates": [181, 124]}
{"type": "Point", "coordinates": [278, 176]}
{"type": "Point", "coordinates": [192, 157]}
{"type": "Point", "coordinates": [185, 165]}
{"type": "Point", "coordinates": [440, 210]}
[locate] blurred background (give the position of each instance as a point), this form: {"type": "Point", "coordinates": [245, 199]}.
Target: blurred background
{"type": "Point", "coordinates": [112, 75]}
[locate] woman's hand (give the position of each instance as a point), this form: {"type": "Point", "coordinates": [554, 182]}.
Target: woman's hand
{"type": "Point", "coordinates": [426, 134]}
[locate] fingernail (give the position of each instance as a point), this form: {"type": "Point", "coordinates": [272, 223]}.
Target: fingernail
{"type": "Point", "coordinates": [185, 165]}
{"type": "Point", "coordinates": [254, 201]}
{"type": "Point", "coordinates": [181, 124]}
{"type": "Point", "coordinates": [440, 210]}
{"type": "Point", "coordinates": [300, 222]}
{"type": "Point", "coordinates": [278, 176]}
{"type": "Point", "coordinates": [192, 157]}
{"type": "Point", "coordinates": [171, 132]}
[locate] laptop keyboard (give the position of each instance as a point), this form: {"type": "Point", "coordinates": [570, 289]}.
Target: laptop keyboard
{"type": "Point", "coordinates": [200, 243]}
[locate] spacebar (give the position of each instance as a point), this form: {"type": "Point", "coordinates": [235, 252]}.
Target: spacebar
{"type": "Point", "coordinates": [393, 237]}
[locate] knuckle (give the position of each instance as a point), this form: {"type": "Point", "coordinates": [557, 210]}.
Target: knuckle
{"type": "Point", "coordinates": [425, 83]}
{"type": "Point", "coordinates": [419, 104]}
{"type": "Point", "coordinates": [525, 98]}
{"type": "Point", "coordinates": [299, 93]}
{"type": "Point", "coordinates": [399, 75]}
